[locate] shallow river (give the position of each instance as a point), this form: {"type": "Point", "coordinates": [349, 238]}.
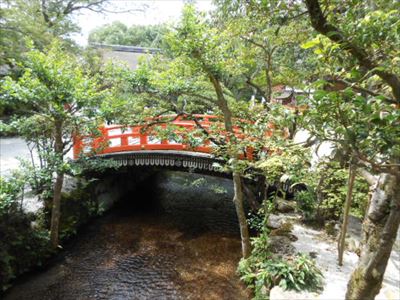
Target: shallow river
{"type": "Point", "coordinates": [140, 255]}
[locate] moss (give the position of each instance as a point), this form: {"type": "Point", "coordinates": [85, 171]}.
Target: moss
{"type": "Point", "coordinates": [285, 230]}
{"type": "Point", "coordinates": [77, 208]}
{"type": "Point", "coordinates": [356, 284]}
{"type": "Point", "coordinates": [330, 228]}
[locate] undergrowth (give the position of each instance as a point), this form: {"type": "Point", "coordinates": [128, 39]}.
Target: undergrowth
{"type": "Point", "coordinates": [263, 270]}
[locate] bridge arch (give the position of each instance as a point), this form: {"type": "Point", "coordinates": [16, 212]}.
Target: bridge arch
{"type": "Point", "coordinates": [138, 146]}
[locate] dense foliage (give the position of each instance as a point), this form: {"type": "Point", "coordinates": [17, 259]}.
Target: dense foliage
{"type": "Point", "coordinates": [262, 274]}
{"type": "Point", "coordinates": [24, 242]}
{"type": "Point", "coordinates": [326, 193]}
{"type": "Point", "coordinates": [264, 269]}
{"type": "Point", "coordinates": [118, 33]}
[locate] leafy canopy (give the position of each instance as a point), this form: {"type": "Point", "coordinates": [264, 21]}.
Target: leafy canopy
{"type": "Point", "coordinates": [59, 91]}
{"type": "Point", "coordinates": [118, 33]}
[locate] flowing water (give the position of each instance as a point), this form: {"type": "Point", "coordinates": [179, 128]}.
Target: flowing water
{"type": "Point", "coordinates": [141, 254]}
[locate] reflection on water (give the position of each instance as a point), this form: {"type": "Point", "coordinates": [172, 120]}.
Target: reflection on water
{"type": "Point", "coordinates": [132, 255]}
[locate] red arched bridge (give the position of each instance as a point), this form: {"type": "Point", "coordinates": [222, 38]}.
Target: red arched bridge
{"type": "Point", "coordinates": [141, 145]}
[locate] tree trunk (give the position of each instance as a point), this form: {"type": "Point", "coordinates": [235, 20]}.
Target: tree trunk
{"type": "Point", "coordinates": [238, 201]}
{"type": "Point", "coordinates": [380, 231]}
{"type": "Point", "coordinates": [55, 211]}
{"type": "Point", "coordinates": [268, 78]}
{"type": "Point", "coordinates": [237, 182]}
{"type": "Point", "coordinates": [347, 206]}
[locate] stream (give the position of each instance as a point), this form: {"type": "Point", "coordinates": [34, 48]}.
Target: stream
{"type": "Point", "coordinates": [143, 252]}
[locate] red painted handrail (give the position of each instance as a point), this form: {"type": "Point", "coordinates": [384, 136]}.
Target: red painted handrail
{"type": "Point", "coordinates": [118, 138]}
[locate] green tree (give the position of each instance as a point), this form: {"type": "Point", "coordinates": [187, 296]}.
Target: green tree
{"type": "Point", "coordinates": [64, 99]}
{"type": "Point", "coordinates": [112, 34]}
{"type": "Point", "coordinates": [205, 50]}
{"type": "Point", "coordinates": [118, 33]}
{"type": "Point", "coordinates": [203, 69]}
{"type": "Point", "coordinates": [366, 118]}
{"type": "Point", "coordinates": [272, 51]}
{"type": "Point", "coordinates": [355, 105]}
{"type": "Point", "coordinates": [39, 21]}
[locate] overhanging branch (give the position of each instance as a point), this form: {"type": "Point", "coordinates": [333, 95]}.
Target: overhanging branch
{"type": "Point", "coordinates": [320, 23]}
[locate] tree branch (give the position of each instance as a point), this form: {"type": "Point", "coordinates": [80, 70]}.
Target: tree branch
{"type": "Point", "coordinates": [208, 99]}
{"type": "Point", "coordinates": [257, 87]}
{"type": "Point", "coordinates": [198, 124]}
{"type": "Point", "coordinates": [361, 89]}
{"type": "Point", "coordinates": [321, 25]}
{"type": "Point", "coordinates": [371, 179]}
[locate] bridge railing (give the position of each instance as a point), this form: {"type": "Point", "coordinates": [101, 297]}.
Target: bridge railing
{"type": "Point", "coordinates": [118, 138]}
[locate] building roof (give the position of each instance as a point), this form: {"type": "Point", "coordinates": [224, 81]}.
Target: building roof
{"type": "Point", "coordinates": [126, 54]}
{"type": "Point", "coordinates": [123, 48]}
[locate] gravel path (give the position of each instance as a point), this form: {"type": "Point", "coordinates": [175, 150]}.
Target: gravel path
{"type": "Point", "coordinates": [336, 277]}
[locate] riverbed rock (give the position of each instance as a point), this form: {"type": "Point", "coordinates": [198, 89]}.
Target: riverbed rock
{"type": "Point", "coordinates": [353, 244]}
{"type": "Point", "coordinates": [284, 230]}
{"type": "Point", "coordinates": [278, 293]}
{"type": "Point", "coordinates": [281, 245]}
{"type": "Point", "coordinates": [354, 234]}
{"type": "Point", "coordinates": [331, 228]}
{"type": "Point", "coordinates": [274, 221]}
{"type": "Point", "coordinates": [285, 206]}
{"type": "Point", "coordinates": [354, 226]}
{"type": "Point", "coordinates": [31, 203]}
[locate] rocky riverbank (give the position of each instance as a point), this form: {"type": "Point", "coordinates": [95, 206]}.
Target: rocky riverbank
{"type": "Point", "coordinates": [323, 248]}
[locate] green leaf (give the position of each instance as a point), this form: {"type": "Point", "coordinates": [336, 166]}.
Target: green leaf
{"type": "Point", "coordinates": [310, 44]}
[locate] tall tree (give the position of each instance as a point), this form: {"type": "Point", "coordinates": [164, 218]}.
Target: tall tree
{"type": "Point", "coordinates": [355, 105]}
{"type": "Point", "coordinates": [368, 37]}
{"type": "Point", "coordinates": [196, 74]}
{"type": "Point", "coordinates": [209, 52]}
{"type": "Point", "coordinates": [118, 33]}
{"type": "Point", "coordinates": [65, 101]}
{"type": "Point", "coordinates": [39, 21]}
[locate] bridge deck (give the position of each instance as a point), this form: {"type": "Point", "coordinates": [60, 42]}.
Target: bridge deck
{"type": "Point", "coordinates": [116, 139]}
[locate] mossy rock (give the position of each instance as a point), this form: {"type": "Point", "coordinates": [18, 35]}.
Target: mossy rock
{"type": "Point", "coordinates": [285, 206]}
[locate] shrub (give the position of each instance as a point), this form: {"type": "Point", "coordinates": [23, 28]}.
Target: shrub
{"type": "Point", "coordinates": [296, 273]}
{"type": "Point", "coordinates": [22, 245]}
{"type": "Point", "coordinates": [24, 242]}
{"type": "Point", "coordinates": [262, 270]}
{"type": "Point", "coordinates": [326, 193]}
{"type": "Point", "coordinates": [77, 208]}
{"type": "Point", "coordinates": [329, 183]}
{"type": "Point", "coordinates": [306, 203]}
{"type": "Point", "coordinates": [10, 190]}
{"type": "Point", "coordinates": [334, 190]}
